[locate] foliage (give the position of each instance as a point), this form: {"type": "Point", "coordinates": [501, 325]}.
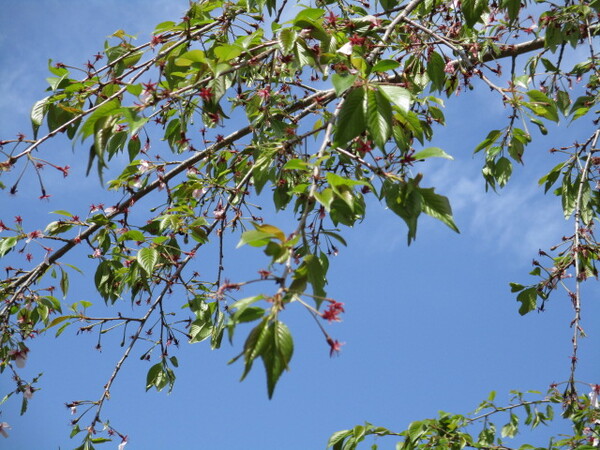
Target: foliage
{"type": "Point", "coordinates": [368, 85]}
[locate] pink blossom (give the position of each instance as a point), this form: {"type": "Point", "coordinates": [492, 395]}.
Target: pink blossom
{"type": "Point", "coordinates": [3, 427]}
{"type": "Point", "coordinates": [20, 356]}
{"type": "Point", "coordinates": [334, 346]}
{"type": "Point", "coordinates": [333, 311]}
{"type": "Point", "coordinates": [97, 253]}
{"type": "Point", "coordinates": [123, 443]}
{"type": "Point", "coordinates": [34, 235]}
{"type": "Point", "coordinates": [449, 67]}
{"type": "Point", "coordinates": [144, 166]}
{"type": "Point", "coordinates": [28, 392]}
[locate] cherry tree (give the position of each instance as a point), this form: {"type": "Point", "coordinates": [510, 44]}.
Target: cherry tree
{"type": "Point", "coordinates": [316, 111]}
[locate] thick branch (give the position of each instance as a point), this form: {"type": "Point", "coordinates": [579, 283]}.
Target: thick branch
{"type": "Point", "coordinates": [505, 52]}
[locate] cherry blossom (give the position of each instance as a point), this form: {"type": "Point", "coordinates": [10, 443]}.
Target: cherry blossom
{"type": "Point", "coordinates": [3, 427]}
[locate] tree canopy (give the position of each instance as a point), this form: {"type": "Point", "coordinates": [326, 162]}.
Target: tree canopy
{"type": "Point", "coordinates": [275, 127]}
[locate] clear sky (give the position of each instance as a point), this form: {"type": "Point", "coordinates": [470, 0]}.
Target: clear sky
{"type": "Point", "coordinates": [428, 327]}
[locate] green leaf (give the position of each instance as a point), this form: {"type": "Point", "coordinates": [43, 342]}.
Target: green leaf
{"type": "Point", "coordinates": [435, 71]}
{"type": "Point", "coordinates": [190, 57]}
{"type": "Point", "coordinates": [6, 245]}
{"type": "Point", "coordinates": [563, 102]}
{"type": "Point", "coordinates": [432, 152]}
{"type": "Point", "coordinates": [317, 277]}
{"type": "Point", "coordinates": [438, 207]}
{"type": "Point", "coordinates": [242, 304]}
{"type": "Point", "coordinates": [473, 10]}
{"type": "Point", "coordinates": [227, 52]}
{"type": "Point", "coordinates": [134, 121]}
{"type": "Point", "coordinates": [336, 236]}
{"type": "Point", "coordinates": [255, 345]}
{"type": "Point", "coordinates": [351, 121]}
{"type": "Point", "coordinates": [296, 164]}
{"type": "Point", "coordinates": [405, 200]}
{"type": "Point", "coordinates": [200, 330]}
{"type": "Point", "coordinates": [581, 107]}
{"type": "Point", "coordinates": [341, 83]}
{"type": "Point", "coordinates": [64, 282]}
{"type": "Point", "coordinates": [503, 171]}
{"type": "Point", "coordinates": [38, 111]}
{"type": "Point", "coordinates": [379, 117]}
{"type": "Point", "coordinates": [399, 96]}
{"type": "Point", "coordinates": [491, 138]}
{"type": "Point", "coordinates": [153, 375]}
{"type": "Point", "coordinates": [325, 197]}
{"type": "Point", "coordinates": [512, 7]}
{"type": "Point", "coordinates": [515, 287]}
{"type": "Point", "coordinates": [542, 105]}
{"type": "Point", "coordinates": [568, 192]}
{"type": "Point", "coordinates": [528, 299]}
{"type": "Point", "coordinates": [104, 110]}
{"type": "Point", "coordinates": [384, 65]}
{"type": "Point", "coordinates": [255, 238]}
{"type": "Point", "coordinates": [147, 258]}
{"type": "Point", "coordinates": [309, 15]}
{"type": "Point", "coordinates": [287, 39]}
{"type": "Point", "coordinates": [338, 436]}
{"type": "Point", "coordinates": [277, 356]}
{"type": "Point", "coordinates": [58, 320]}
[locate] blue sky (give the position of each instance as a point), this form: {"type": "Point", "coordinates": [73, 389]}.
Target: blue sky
{"type": "Point", "coordinates": [428, 327]}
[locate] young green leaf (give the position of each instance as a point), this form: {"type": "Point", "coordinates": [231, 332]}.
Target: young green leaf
{"type": "Point", "coordinates": [147, 258]}
{"type": "Point", "coordinates": [432, 152]}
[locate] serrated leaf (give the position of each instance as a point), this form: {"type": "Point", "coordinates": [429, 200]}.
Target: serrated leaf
{"type": "Point", "coordinates": [341, 83]}
{"type": "Point", "coordinates": [227, 52]}
{"type": "Point", "coordinates": [272, 231]}
{"type": "Point", "coordinates": [38, 111]}
{"type": "Point", "coordinates": [351, 121]}
{"type": "Point", "coordinates": [338, 436]}
{"type": "Point", "coordinates": [432, 152]}
{"type": "Point", "coordinates": [278, 354]}
{"type": "Point", "coordinates": [379, 117]}
{"type": "Point", "coordinates": [189, 57]}
{"type": "Point", "coordinates": [542, 105]}
{"type": "Point", "coordinates": [256, 342]}
{"type": "Point", "coordinates": [512, 7]}
{"type": "Point", "coordinates": [435, 71]}
{"type": "Point", "coordinates": [488, 141]}
{"type": "Point", "coordinates": [438, 207]}
{"type": "Point", "coordinates": [472, 11]}
{"type": "Point", "coordinates": [104, 110]}
{"type": "Point", "coordinates": [405, 200]}
{"type": "Point", "coordinates": [7, 244]}
{"type": "Point", "coordinates": [384, 65]}
{"type": "Point", "coordinates": [58, 320]}
{"type": "Point", "coordinates": [147, 258]}
{"type": "Point", "coordinates": [502, 171]}
{"type": "Point", "coordinates": [397, 95]}
{"type": "Point", "coordinates": [287, 39]}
